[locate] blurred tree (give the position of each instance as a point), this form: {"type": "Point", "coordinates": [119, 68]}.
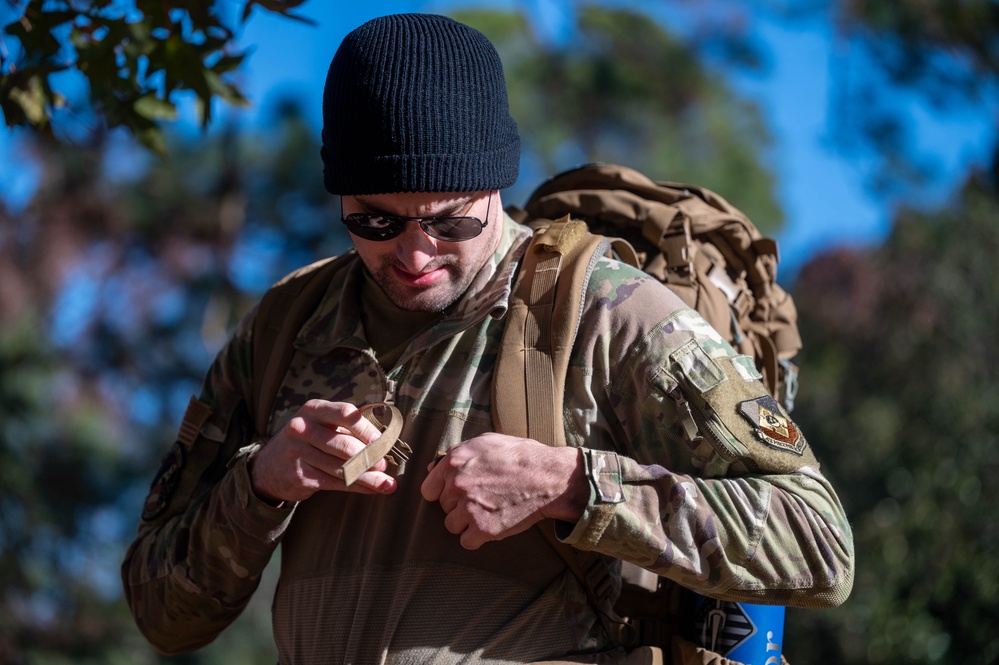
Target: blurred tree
{"type": "Point", "coordinates": [132, 57]}
{"type": "Point", "coordinates": [59, 483]}
{"type": "Point", "coordinates": [902, 404]}
{"type": "Point", "coordinates": [940, 52]}
{"type": "Point", "coordinates": [623, 89]}
{"type": "Point", "coordinates": [118, 287]}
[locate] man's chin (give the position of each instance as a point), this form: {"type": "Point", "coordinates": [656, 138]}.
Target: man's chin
{"type": "Point", "coordinates": [436, 295]}
{"type": "Point", "coordinates": [430, 301]}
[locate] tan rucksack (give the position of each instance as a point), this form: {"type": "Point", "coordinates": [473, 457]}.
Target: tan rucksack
{"type": "Point", "coordinates": [703, 249]}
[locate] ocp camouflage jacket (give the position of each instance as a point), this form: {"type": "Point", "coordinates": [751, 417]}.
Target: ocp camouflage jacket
{"type": "Point", "coordinates": [695, 472]}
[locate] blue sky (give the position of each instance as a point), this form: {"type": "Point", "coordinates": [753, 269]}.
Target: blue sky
{"type": "Point", "coordinates": [823, 192]}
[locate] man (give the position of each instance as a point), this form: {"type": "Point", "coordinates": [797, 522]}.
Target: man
{"type": "Point", "coordinates": [440, 564]}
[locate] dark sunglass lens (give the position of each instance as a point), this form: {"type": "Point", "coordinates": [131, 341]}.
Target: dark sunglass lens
{"type": "Point", "coordinates": [374, 227]}
{"type": "Point", "coordinates": [453, 228]}
{"type": "Point", "coordinates": [386, 227]}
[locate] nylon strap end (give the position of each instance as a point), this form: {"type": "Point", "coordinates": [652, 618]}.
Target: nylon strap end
{"type": "Point", "coordinates": [362, 462]}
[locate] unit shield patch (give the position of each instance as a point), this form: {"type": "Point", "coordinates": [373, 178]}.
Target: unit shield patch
{"type": "Point", "coordinates": [771, 425]}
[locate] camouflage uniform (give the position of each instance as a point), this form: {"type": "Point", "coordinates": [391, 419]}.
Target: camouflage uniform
{"type": "Point", "coordinates": [695, 473]}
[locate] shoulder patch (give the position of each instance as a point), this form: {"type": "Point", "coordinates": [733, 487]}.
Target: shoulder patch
{"type": "Point", "coordinates": [771, 425]}
{"type": "Point", "coordinates": [164, 483]}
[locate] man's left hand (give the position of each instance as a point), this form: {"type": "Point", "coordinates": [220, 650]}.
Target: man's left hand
{"type": "Point", "coordinates": [495, 486]}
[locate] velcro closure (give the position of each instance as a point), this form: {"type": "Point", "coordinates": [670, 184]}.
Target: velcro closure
{"type": "Point", "coordinates": [562, 233]}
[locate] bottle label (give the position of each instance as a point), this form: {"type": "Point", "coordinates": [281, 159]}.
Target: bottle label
{"type": "Point", "coordinates": [743, 632]}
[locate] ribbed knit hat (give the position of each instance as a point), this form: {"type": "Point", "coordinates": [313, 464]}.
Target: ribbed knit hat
{"type": "Point", "coordinates": [417, 103]}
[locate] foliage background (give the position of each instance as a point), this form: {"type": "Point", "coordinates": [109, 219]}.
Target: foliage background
{"type": "Point", "coordinates": [121, 276]}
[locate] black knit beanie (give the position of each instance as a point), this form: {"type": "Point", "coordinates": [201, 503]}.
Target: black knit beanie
{"type": "Point", "coordinates": [417, 103]}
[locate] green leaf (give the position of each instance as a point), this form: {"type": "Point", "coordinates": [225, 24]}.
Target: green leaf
{"type": "Point", "coordinates": [228, 63]}
{"type": "Point", "coordinates": [152, 107]}
{"type": "Point", "coordinates": [141, 32]}
{"type": "Point", "coordinates": [152, 138]}
{"type": "Point", "coordinates": [226, 91]}
{"type": "Point", "coordinates": [32, 100]}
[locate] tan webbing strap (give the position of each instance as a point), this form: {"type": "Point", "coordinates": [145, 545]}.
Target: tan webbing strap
{"type": "Point", "coordinates": [543, 401]}
{"type": "Point", "coordinates": [282, 311]}
{"type": "Point", "coordinates": [529, 378]}
{"type": "Point", "coordinates": [510, 379]}
{"type": "Point", "coordinates": [377, 449]}
{"type": "Point", "coordinates": [624, 251]}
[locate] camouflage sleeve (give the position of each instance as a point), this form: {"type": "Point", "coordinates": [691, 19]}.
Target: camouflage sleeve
{"type": "Point", "coordinates": [204, 538]}
{"type": "Point", "coordinates": [696, 473]}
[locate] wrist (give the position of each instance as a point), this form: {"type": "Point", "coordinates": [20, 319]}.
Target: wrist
{"type": "Point", "coordinates": [570, 469]}
{"type": "Point", "coordinates": [262, 495]}
{"type": "Point", "coordinates": [249, 455]}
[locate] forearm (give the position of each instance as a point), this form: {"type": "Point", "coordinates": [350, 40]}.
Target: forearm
{"type": "Point", "coordinates": [777, 538]}
{"type": "Point", "coordinates": [189, 577]}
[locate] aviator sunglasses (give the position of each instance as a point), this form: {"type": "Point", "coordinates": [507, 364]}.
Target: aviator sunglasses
{"type": "Point", "coordinates": [376, 226]}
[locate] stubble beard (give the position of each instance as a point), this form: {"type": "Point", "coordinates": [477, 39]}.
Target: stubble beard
{"type": "Point", "coordinates": [435, 298]}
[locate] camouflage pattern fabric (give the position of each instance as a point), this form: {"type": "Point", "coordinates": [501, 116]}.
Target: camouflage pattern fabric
{"type": "Point", "coordinates": [690, 479]}
{"type": "Point", "coordinates": [685, 475]}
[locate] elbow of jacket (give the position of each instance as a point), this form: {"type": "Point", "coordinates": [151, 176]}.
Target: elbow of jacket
{"type": "Point", "coordinates": [841, 581]}
{"type": "Point", "coordinates": [828, 593]}
{"type": "Point", "coordinates": [173, 626]}
{"type": "Point", "coordinates": [171, 640]}
{"type": "Point", "coordinates": [840, 590]}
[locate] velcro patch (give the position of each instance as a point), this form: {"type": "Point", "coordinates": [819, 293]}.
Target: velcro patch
{"type": "Point", "coordinates": [164, 483]}
{"type": "Point", "coordinates": [771, 425]}
{"type": "Point", "coordinates": [699, 368]}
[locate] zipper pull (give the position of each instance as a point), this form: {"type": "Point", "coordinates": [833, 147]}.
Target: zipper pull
{"type": "Point", "coordinates": [686, 417]}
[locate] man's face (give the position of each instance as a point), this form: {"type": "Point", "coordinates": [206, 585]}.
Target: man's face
{"type": "Point", "coordinates": [418, 272]}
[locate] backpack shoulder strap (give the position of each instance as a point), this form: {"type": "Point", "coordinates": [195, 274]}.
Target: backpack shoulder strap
{"type": "Point", "coordinates": [281, 313]}
{"type": "Point", "coordinates": [530, 373]}
{"type": "Point", "coordinates": [541, 326]}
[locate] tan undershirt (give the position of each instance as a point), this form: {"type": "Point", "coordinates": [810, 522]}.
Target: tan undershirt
{"type": "Point", "coordinates": [388, 327]}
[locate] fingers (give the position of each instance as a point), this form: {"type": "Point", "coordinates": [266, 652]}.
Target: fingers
{"type": "Point", "coordinates": [339, 431]}
{"type": "Point", "coordinates": [335, 429]}
{"type": "Point", "coordinates": [437, 486]}
{"type": "Point", "coordinates": [443, 485]}
{"type": "Point", "coordinates": [474, 532]}
{"type": "Point", "coordinates": [308, 454]}
{"type": "Point", "coordinates": [335, 415]}
{"type": "Point", "coordinates": [460, 524]}
{"type": "Point", "coordinates": [326, 471]}
{"type": "Point", "coordinates": [494, 486]}
{"type": "Point", "coordinates": [290, 470]}
{"type": "Point", "coordinates": [433, 484]}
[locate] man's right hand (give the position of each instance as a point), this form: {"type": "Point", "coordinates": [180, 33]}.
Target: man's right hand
{"type": "Point", "coordinates": [308, 453]}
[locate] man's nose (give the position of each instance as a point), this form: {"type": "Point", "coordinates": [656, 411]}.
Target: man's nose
{"type": "Point", "coordinates": [414, 248]}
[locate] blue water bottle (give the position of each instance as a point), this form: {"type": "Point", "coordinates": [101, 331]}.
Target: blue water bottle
{"type": "Point", "coordinates": [743, 632]}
